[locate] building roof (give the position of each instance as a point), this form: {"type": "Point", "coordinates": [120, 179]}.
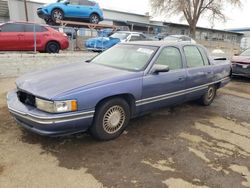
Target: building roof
{"type": "Point", "coordinates": [204, 28]}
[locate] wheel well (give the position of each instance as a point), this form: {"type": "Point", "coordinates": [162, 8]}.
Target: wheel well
{"type": "Point", "coordinates": [53, 41]}
{"type": "Point", "coordinates": [95, 13]}
{"type": "Point", "coordinates": [217, 85]}
{"type": "Point", "coordinates": [56, 8]}
{"type": "Point", "coordinates": [127, 97]}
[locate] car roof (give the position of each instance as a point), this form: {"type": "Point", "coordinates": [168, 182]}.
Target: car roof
{"type": "Point", "coordinates": [160, 43]}
{"type": "Point", "coordinates": [130, 32]}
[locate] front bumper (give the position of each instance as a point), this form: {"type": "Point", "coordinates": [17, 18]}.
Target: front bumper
{"type": "Point", "coordinates": [45, 123]}
{"type": "Point", "coordinates": [241, 70]}
{"type": "Point", "coordinates": [42, 14]}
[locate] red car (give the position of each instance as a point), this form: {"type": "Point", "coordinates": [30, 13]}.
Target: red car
{"type": "Point", "coordinates": [19, 36]}
{"type": "Point", "coordinates": [241, 64]}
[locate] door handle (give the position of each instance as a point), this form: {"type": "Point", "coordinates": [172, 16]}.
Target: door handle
{"type": "Point", "coordinates": [20, 35]}
{"type": "Point", "coordinates": [181, 78]}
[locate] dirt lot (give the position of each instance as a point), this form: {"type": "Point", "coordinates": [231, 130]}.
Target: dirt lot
{"type": "Point", "coordinates": [186, 146]}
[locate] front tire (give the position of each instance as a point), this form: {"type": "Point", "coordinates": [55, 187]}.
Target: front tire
{"type": "Point", "coordinates": [208, 98]}
{"type": "Point", "coordinates": [52, 47]}
{"type": "Point", "coordinates": [57, 14]}
{"type": "Point", "coordinates": [111, 118]}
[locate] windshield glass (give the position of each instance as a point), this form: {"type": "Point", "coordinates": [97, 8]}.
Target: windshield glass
{"type": "Point", "coordinates": [246, 53]}
{"type": "Point", "coordinates": [120, 36]}
{"type": "Point", "coordinates": [171, 38]}
{"type": "Point", "coordinates": [124, 56]}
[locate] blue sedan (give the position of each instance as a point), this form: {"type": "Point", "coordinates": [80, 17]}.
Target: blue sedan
{"type": "Point", "coordinates": [71, 10]}
{"type": "Point", "coordinates": [126, 81]}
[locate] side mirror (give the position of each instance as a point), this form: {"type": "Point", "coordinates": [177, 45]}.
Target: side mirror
{"type": "Point", "coordinates": [160, 68]}
{"type": "Point", "coordinates": [66, 2]}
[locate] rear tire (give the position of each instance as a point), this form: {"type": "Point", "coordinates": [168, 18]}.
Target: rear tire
{"type": "Point", "coordinates": [57, 14]}
{"type": "Point", "coordinates": [52, 47]}
{"type": "Point", "coordinates": [94, 18]}
{"type": "Point", "coordinates": [111, 118]}
{"type": "Point", "coordinates": [208, 98]}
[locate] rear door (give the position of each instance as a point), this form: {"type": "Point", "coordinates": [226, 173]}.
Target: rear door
{"type": "Point", "coordinates": [32, 33]}
{"type": "Point", "coordinates": [165, 88]}
{"type": "Point", "coordinates": [199, 72]}
{"type": "Point", "coordinates": [86, 8]}
{"type": "Point", "coordinates": [11, 37]}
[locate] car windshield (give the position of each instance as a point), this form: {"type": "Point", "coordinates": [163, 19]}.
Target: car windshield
{"type": "Point", "coordinates": [120, 36]}
{"type": "Point", "coordinates": [246, 53]}
{"type": "Point", "coordinates": [172, 38]}
{"type": "Point", "coordinates": [125, 56]}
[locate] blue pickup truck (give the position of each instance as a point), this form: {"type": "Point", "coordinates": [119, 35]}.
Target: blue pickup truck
{"type": "Point", "coordinates": [101, 95]}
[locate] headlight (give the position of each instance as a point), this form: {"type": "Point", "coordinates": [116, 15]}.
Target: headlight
{"type": "Point", "coordinates": [56, 106]}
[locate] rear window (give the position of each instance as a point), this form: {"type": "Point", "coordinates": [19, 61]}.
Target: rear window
{"type": "Point", "coordinates": [12, 27]}
{"type": "Point", "coordinates": [193, 57]}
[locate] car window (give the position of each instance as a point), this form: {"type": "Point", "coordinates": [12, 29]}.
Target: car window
{"type": "Point", "coordinates": [204, 56]}
{"type": "Point", "coordinates": [74, 2]}
{"type": "Point", "coordinates": [30, 28]}
{"type": "Point", "coordinates": [135, 38]}
{"type": "Point", "coordinates": [193, 57]}
{"type": "Point", "coordinates": [12, 27]}
{"type": "Point", "coordinates": [87, 3]}
{"type": "Point", "coordinates": [171, 57]}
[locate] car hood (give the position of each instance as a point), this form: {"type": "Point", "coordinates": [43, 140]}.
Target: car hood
{"type": "Point", "coordinates": [50, 83]}
{"type": "Point", "coordinates": [241, 59]}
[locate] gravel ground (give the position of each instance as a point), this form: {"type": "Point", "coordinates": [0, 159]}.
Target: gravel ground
{"type": "Point", "coordinates": [188, 146]}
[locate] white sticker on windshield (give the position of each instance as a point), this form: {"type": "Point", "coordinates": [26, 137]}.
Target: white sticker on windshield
{"type": "Point", "coordinates": [145, 50]}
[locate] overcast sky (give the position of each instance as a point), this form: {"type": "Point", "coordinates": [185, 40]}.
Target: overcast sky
{"type": "Point", "coordinates": [236, 17]}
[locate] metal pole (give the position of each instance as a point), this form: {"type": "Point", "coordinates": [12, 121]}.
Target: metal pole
{"type": "Point", "coordinates": [34, 29]}
{"type": "Point", "coordinates": [26, 10]}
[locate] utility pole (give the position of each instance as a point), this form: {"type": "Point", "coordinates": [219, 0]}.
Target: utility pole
{"type": "Point", "coordinates": [26, 10]}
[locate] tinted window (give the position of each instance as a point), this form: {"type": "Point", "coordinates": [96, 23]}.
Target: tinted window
{"type": "Point", "coordinates": [12, 27]}
{"type": "Point", "coordinates": [246, 53]}
{"type": "Point", "coordinates": [193, 57]}
{"type": "Point", "coordinates": [74, 2]}
{"type": "Point", "coordinates": [87, 3]}
{"type": "Point", "coordinates": [204, 55]}
{"type": "Point", "coordinates": [135, 38]}
{"type": "Point", "coordinates": [30, 28]}
{"type": "Point", "coordinates": [171, 57]}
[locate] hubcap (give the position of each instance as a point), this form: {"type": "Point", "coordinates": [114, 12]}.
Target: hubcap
{"type": "Point", "coordinates": [94, 19]}
{"type": "Point", "coordinates": [210, 93]}
{"type": "Point", "coordinates": [113, 119]}
{"type": "Point", "coordinates": [57, 15]}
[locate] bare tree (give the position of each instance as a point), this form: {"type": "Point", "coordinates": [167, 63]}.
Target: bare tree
{"type": "Point", "coordinates": [192, 9]}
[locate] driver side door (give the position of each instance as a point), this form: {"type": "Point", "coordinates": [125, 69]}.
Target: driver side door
{"type": "Point", "coordinates": [166, 88]}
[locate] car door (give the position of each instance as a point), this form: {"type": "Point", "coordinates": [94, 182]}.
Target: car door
{"type": "Point", "coordinates": [32, 33]}
{"type": "Point", "coordinates": [165, 88]}
{"type": "Point", "coordinates": [11, 36]}
{"type": "Point", "coordinates": [199, 72]}
{"type": "Point", "coordinates": [86, 8]}
{"type": "Point", "coordinates": [73, 9]}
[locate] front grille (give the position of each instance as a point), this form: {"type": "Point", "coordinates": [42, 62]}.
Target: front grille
{"type": "Point", "coordinates": [26, 98]}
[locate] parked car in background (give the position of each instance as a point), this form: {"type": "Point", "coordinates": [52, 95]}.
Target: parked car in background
{"type": "Point", "coordinates": [179, 38]}
{"type": "Point", "coordinates": [71, 10]}
{"type": "Point", "coordinates": [20, 36]}
{"type": "Point", "coordinates": [104, 43]}
{"type": "Point", "coordinates": [241, 64]}
{"type": "Point", "coordinates": [126, 81]}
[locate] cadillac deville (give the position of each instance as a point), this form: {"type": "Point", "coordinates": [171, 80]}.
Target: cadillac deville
{"type": "Point", "coordinates": [103, 94]}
